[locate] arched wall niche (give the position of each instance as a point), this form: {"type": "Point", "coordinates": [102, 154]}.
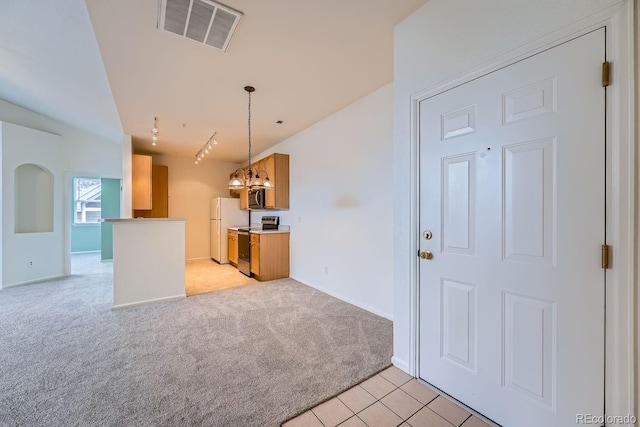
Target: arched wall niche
{"type": "Point", "coordinates": [33, 190]}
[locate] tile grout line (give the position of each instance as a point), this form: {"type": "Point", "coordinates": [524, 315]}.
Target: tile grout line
{"type": "Point", "coordinates": [317, 418]}
{"type": "Point", "coordinates": [394, 389]}
{"type": "Point", "coordinates": [465, 420]}
{"type": "Point", "coordinates": [403, 419]}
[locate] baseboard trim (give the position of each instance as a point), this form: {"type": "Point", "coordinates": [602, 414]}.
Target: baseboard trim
{"type": "Point", "coordinates": [133, 304]}
{"type": "Point", "coordinates": [401, 364]}
{"type": "Point", "coordinates": [30, 282]}
{"type": "Point", "coordinates": [343, 298]}
{"type": "Point", "coordinates": [199, 259]}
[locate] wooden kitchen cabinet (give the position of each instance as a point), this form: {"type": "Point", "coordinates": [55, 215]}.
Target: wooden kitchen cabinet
{"type": "Point", "coordinates": [243, 193]}
{"type": "Point", "coordinates": [277, 168]}
{"type": "Point", "coordinates": [232, 243]}
{"type": "Point", "coordinates": [141, 181]}
{"type": "Point", "coordinates": [159, 194]}
{"type": "Point", "coordinates": [244, 199]}
{"type": "Point", "coordinates": [255, 254]}
{"type": "Point", "coordinates": [270, 256]}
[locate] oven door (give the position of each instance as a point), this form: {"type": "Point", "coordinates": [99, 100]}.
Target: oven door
{"type": "Point", "coordinates": [244, 252]}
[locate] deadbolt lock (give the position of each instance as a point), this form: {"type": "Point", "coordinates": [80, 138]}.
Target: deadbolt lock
{"type": "Point", "coordinates": [427, 235]}
{"type": "Point", "coordinates": [426, 255]}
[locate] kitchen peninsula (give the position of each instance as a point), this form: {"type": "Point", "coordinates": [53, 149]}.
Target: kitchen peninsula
{"type": "Point", "coordinates": [148, 260]}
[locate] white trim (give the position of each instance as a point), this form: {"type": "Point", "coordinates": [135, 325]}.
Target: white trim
{"type": "Point", "coordinates": [31, 282]}
{"type": "Point", "coordinates": [201, 259]}
{"type": "Point", "coordinates": [400, 364]}
{"type": "Point", "coordinates": [347, 300]}
{"type": "Point", "coordinates": [621, 163]}
{"type": "Point", "coordinates": [68, 212]}
{"type": "Point", "coordinates": [621, 168]}
{"type": "Point", "coordinates": [163, 299]}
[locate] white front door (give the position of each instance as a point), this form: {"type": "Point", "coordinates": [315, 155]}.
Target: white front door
{"type": "Point", "coordinates": [512, 189]}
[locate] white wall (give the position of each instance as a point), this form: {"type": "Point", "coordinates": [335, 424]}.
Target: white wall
{"type": "Point", "coordinates": [85, 152]}
{"type": "Point", "coordinates": [126, 202]}
{"type": "Point", "coordinates": [444, 39]}
{"type": "Point", "coordinates": [340, 198]}
{"type": "Point", "coordinates": [33, 138]}
{"type": "Point", "coordinates": [191, 188]}
{"type": "Point", "coordinates": [21, 146]}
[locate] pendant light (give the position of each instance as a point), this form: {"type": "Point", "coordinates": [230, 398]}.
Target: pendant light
{"type": "Point", "coordinates": [253, 178]}
{"type": "Point", "coordinates": [154, 131]}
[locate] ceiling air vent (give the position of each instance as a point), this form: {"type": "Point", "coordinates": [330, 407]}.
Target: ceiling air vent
{"type": "Point", "coordinates": [204, 21]}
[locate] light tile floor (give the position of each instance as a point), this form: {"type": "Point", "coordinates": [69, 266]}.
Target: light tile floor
{"type": "Point", "coordinates": [389, 399]}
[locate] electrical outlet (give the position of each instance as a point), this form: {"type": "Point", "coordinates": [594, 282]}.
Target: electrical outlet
{"type": "Point", "coordinates": [326, 269]}
{"type": "Point", "coordinates": [30, 264]}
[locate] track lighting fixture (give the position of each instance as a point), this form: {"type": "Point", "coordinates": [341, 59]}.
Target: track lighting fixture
{"type": "Point", "coordinates": [154, 131]}
{"type": "Point", "coordinates": [206, 148]}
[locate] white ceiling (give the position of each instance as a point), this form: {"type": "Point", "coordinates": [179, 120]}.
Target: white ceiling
{"type": "Point", "coordinates": [104, 66]}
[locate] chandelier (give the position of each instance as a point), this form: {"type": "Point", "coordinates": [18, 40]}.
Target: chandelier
{"type": "Point", "coordinates": [253, 178]}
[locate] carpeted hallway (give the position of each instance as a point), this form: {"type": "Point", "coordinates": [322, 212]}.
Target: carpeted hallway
{"type": "Point", "coordinates": [248, 356]}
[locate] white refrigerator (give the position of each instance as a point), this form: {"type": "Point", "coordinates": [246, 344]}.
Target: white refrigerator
{"type": "Point", "coordinates": [225, 213]}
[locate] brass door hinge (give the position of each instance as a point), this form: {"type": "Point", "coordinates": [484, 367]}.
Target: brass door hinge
{"type": "Point", "coordinates": [605, 74]}
{"type": "Point", "coordinates": [605, 256]}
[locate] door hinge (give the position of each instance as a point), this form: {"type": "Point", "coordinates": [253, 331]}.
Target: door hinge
{"type": "Point", "coordinates": [605, 74]}
{"type": "Point", "coordinates": [605, 256]}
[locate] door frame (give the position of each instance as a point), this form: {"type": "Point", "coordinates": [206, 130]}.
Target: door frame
{"type": "Point", "coordinates": [620, 328]}
{"type": "Point", "coordinates": [68, 214]}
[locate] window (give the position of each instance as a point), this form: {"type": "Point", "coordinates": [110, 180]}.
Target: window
{"type": "Point", "coordinates": [87, 195]}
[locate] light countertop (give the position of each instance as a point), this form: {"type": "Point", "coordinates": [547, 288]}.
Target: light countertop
{"type": "Point", "coordinates": [134, 220]}
{"type": "Point", "coordinates": [257, 229]}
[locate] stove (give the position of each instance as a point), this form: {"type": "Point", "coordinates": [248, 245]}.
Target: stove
{"type": "Point", "coordinates": [270, 222]}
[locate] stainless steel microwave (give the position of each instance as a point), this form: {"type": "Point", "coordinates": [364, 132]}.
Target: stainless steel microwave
{"type": "Point", "coordinates": [256, 198]}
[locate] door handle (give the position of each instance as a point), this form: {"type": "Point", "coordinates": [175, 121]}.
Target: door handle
{"type": "Point", "coordinates": [426, 255]}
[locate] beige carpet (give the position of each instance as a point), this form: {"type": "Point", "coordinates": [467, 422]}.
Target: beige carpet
{"type": "Point", "coordinates": [207, 276]}
{"type": "Point", "coordinates": [252, 356]}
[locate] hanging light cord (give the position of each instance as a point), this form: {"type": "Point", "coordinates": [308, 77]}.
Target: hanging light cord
{"type": "Point", "coordinates": [249, 127]}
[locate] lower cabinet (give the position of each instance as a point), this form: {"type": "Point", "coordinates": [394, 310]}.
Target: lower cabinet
{"type": "Point", "coordinates": [232, 241]}
{"type": "Point", "coordinates": [270, 256]}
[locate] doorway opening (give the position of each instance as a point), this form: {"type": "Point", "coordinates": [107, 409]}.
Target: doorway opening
{"type": "Point", "coordinates": [91, 243]}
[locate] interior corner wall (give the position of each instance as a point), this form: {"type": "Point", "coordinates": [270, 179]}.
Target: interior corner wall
{"type": "Point", "coordinates": [21, 146]}
{"type": "Point", "coordinates": [340, 198]}
{"type": "Point", "coordinates": [2, 205]}
{"type": "Point", "coordinates": [440, 41]}
{"type": "Point", "coordinates": [126, 202]}
{"type": "Point", "coordinates": [82, 153]}
{"type": "Point", "coordinates": [191, 188]}
{"type": "Point", "coordinates": [110, 208]}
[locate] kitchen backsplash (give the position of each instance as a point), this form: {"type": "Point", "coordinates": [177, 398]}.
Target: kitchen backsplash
{"type": "Point", "coordinates": [285, 216]}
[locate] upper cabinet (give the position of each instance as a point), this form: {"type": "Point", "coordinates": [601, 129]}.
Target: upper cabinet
{"type": "Point", "coordinates": [141, 181]}
{"type": "Point", "coordinates": [277, 167]}
{"type": "Point", "coordinates": [159, 194]}
{"type": "Point", "coordinates": [150, 188]}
